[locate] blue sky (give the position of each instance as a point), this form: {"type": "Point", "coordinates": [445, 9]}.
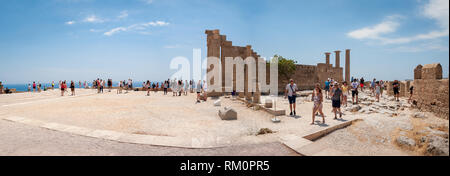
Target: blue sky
{"type": "Point", "coordinates": [47, 40]}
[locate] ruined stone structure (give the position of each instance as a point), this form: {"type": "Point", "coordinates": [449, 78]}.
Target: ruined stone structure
{"type": "Point", "coordinates": [305, 76]}
{"type": "Point", "coordinates": [219, 47]}
{"type": "Point", "coordinates": [418, 72]}
{"type": "Point", "coordinates": [431, 92]}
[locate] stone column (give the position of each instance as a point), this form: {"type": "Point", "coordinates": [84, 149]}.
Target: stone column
{"type": "Point", "coordinates": [327, 58]}
{"type": "Point", "coordinates": [347, 65]}
{"type": "Point", "coordinates": [213, 46]}
{"type": "Point", "coordinates": [248, 94]}
{"type": "Point", "coordinates": [223, 42]}
{"type": "Point", "coordinates": [338, 59]}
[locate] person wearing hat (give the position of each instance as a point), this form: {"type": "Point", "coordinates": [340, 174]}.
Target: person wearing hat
{"type": "Point", "coordinates": [290, 93]}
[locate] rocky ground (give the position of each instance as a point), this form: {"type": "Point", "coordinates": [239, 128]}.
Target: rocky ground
{"type": "Point", "coordinates": [388, 127]}
{"type": "Point", "coordinates": [391, 128]}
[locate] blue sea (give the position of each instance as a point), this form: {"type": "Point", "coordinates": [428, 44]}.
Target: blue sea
{"type": "Point", "coordinates": [24, 87]}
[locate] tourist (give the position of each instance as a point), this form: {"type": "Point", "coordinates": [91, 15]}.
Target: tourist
{"type": "Point", "coordinates": [62, 88]}
{"type": "Point", "coordinates": [1, 87]}
{"type": "Point", "coordinates": [7, 90]}
{"type": "Point", "coordinates": [174, 87]}
{"type": "Point", "coordinates": [190, 86]}
{"type": "Point", "coordinates": [396, 88]}
{"type": "Point", "coordinates": [130, 84]}
{"type": "Point", "coordinates": [72, 88]}
{"type": "Point", "coordinates": [317, 98]}
{"type": "Point", "coordinates": [381, 88]}
{"type": "Point", "coordinates": [411, 90]}
{"type": "Point", "coordinates": [290, 93]}
{"type": "Point", "coordinates": [102, 86]}
{"type": "Point", "coordinates": [377, 90]}
{"type": "Point", "coordinates": [147, 87]}
{"type": "Point", "coordinates": [53, 85]}
{"type": "Point", "coordinates": [199, 90]}
{"type": "Point", "coordinates": [186, 88]}
{"type": "Point", "coordinates": [120, 87]}
{"type": "Point", "coordinates": [336, 96]}
{"type": "Point", "coordinates": [180, 87]}
{"type": "Point", "coordinates": [205, 90]}
{"type": "Point", "coordinates": [39, 87]}
{"type": "Point", "coordinates": [34, 86]}
{"type": "Point", "coordinates": [109, 85]}
{"type": "Point", "coordinates": [327, 87]}
{"type": "Point", "coordinates": [97, 85]}
{"type": "Point", "coordinates": [361, 82]}
{"type": "Point", "coordinates": [372, 86]}
{"type": "Point", "coordinates": [345, 93]}
{"type": "Point", "coordinates": [29, 87]}
{"type": "Point", "coordinates": [355, 86]}
{"type": "Point", "coordinates": [166, 85]}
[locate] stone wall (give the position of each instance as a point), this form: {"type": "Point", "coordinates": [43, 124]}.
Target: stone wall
{"type": "Point", "coordinates": [403, 91]}
{"type": "Point", "coordinates": [431, 93]}
{"type": "Point", "coordinates": [305, 76]}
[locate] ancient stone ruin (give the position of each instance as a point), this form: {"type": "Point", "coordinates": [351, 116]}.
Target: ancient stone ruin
{"type": "Point", "coordinates": [430, 90]}
{"type": "Point", "coordinates": [305, 76]}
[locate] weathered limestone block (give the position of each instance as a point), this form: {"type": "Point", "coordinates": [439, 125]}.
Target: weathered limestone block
{"type": "Point", "coordinates": [418, 72]}
{"type": "Point", "coordinates": [432, 71]}
{"type": "Point", "coordinates": [257, 95]}
{"type": "Point", "coordinates": [432, 96]}
{"type": "Point", "coordinates": [268, 103]}
{"type": "Point", "coordinates": [218, 103]}
{"type": "Point", "coordinates": [228, 114]}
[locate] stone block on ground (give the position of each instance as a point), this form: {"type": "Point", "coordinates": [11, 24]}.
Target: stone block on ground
{"type": "Point", "coordinates": [228, 114]}
{"type": "Point", "coordinates": [218, 103]}
{"type": "Point", "coordinates": [268, 103]}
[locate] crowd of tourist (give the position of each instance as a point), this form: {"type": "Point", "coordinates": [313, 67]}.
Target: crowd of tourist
{"type": "Point", "coordinates": [335, 91]}
{"type": "Point", "coordinates": [338, 93]}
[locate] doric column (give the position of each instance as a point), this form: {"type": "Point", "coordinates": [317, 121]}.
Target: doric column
{"type": "Point", "coordinates": [327, 58]}
{"type": "Point", "coordinates": [347, 65]}
{"type": "Point", "coordinates": [213, 45]}
{"type": "Point", "coordinates": [338, 59]}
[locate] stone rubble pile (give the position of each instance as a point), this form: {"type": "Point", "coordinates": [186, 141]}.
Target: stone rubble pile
{"type": "Point", "coordinates": [367, 105]}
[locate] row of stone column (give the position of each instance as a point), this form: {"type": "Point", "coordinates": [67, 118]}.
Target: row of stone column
{"type": "Point", "coordinates": [338, 62]}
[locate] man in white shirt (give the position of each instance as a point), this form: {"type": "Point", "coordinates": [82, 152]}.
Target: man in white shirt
{"type": "Point", "coordinates": [355, 86]}
{"type": "Point", "coordinates": [290, 93]}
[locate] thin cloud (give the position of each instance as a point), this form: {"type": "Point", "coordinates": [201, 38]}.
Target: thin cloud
{"type": "Point", "coordinates": [437, 10]}
{"type": "Point", "coordinates": [148, 1]}
{"type": "Point", "coordinates": [93, 19]}
{"type": "Point", "coordinates": [123, 14]}
{"type": "Point", "coordinates": [70, 22]}
{"type": "Point", "coordinates": [136, 27]}
{"type": "Point", "coordinates": [389, 25]}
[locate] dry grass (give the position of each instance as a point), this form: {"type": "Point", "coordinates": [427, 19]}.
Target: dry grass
{"type": "Point", "coordinates": [417, 133]}
{"type": "Point", "coordinates": [263, 131]}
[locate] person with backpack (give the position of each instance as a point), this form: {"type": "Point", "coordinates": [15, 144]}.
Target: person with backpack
{"type": "Point", "coordinates": [290, 93]}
